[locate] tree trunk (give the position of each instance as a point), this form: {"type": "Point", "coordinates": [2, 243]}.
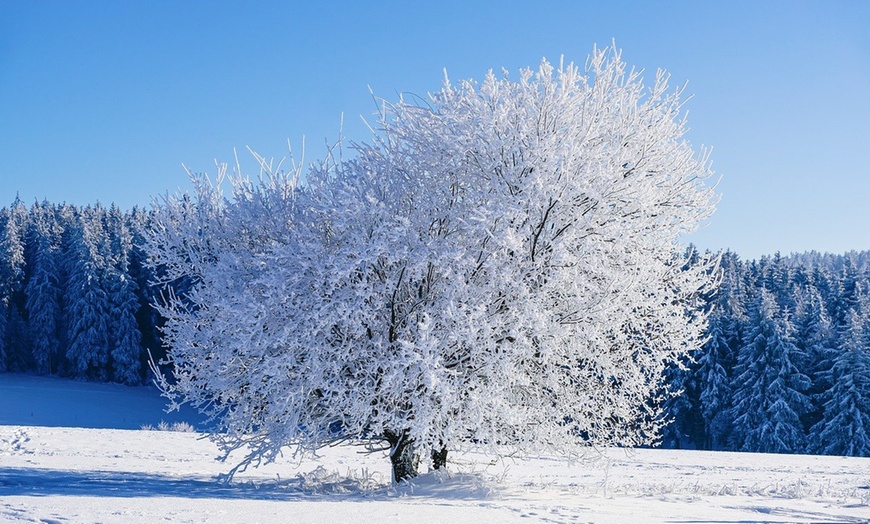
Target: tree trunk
{"type": "Point", "coordinates": [439, 457]}
{"type": "Point", "coordinates": [403, 456]}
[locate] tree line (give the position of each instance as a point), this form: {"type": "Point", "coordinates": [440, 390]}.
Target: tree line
{"type": "Point", "coordinates": [75, 298]}
{"type": "Point", "coordinates": [786, 366]}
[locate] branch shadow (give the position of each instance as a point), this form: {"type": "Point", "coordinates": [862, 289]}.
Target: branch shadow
{"type": "Point", "coordinates": [316, 485]}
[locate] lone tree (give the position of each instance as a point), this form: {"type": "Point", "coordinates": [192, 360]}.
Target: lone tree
{"type": "Point", "coordinates": [499, 268]}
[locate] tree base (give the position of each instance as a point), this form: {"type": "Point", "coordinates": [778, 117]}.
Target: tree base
{"type": "Point", "coordinates": [403, 456]}
{"type": "Point", "coordinates": [439, 458]}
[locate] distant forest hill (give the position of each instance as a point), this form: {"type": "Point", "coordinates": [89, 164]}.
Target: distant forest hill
{"type": "Point", "coordinates": [786, 367]}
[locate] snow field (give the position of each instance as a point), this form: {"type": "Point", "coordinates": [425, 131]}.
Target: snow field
{"type": "Point", "coordinates": [56, 474]}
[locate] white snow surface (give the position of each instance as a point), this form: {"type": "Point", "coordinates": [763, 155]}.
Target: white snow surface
{"type": "Point", "coordinates": [51, 474]}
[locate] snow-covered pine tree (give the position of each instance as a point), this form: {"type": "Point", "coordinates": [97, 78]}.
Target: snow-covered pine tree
{"type": "Point", "coordinates": [143, 277]}
{"type": "Point", "coordinates": [815, 336]}
{"type": "Point", "coordinates": [847, 293]}
{"type": "Point", "coordinates": [126, 339]}
{"type": "Point", "coordinates": [768, 399]}
{"type": "Point", "coordinates": [12, 264]}
{"type": "Point", "coordinates": [43, 298]}
{"type": "Point", "coordinates": [126, 361]}
{"type": "Point", "coordinates": [778, 280]}
{"type": "Point", "coordinates": [825, 283]}
{"type": "Point", "coordinates": [86, 300]}
{"type": "Point", "coordinates": [684, 428]}
{"type": "Point", "coordinates": [3, 322]}
{"type": "Point", "coordinates": [845, 426]}
{"type": "Point", "coordinates": [719, 355]}
{"type": "Point", "coordinates": [499, 269]}
{"type": "Point", "coordinates": [714, 386]}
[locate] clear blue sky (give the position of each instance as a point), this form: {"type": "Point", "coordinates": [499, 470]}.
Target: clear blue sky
{"type": "Point", "coordinates": [104, 100]}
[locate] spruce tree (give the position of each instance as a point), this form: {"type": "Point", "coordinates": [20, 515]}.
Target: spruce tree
{"type": "Point", "coordinates": [2, 335]}
{"type": "Point", "coordinates": [684, 430]}
{"type": "Point", "coordinates": [845, 426]}
{"type": "Point", "coordinates": [43, 303]}
{"type": "Point", "coordinates": [12, 264]}
{"type": "Point", "coordinates": [815, 337]}
{"type": "Point", "coordinates": [714, 384]}
{"type": "Point", "coordinates": [769, 397]}
{"type": "Point", "coordinates": [87, 303]}
{"type": "Point", "coordinates": [126, 338]}
{"type": "Point", "coordinates": [143, 275]}
{"type": "Point", "coordinates": [717, 358]}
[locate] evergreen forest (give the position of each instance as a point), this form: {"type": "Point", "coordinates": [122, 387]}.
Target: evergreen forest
{"type": "Point", "coordinates": [75, 299]}
{"type": "Point", "coordinates": [785, 369]}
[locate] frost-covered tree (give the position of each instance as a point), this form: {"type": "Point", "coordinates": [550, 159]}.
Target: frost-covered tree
{"type": "Point", "coordinates": [769, 397]}
{"type": "Point", "coordinates": [685, 426]}
{"type": "Point", "coordinates": [498, 269]}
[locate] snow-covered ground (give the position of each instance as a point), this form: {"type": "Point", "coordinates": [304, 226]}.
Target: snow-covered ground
{"type": "Point", "coordinates": [51, 474]}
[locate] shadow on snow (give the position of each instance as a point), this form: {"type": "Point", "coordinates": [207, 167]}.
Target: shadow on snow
{"type": "Point", "coordinates": [48, 482]}
{"type": "Point", "coordinates": [315, 485]}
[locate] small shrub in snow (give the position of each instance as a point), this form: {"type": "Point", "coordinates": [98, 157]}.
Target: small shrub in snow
{"type": "Point", "coordinates": [179, 427]}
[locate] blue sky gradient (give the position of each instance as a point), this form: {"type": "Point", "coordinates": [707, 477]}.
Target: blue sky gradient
{"type": "Point", "coordinates": [104, 100]}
